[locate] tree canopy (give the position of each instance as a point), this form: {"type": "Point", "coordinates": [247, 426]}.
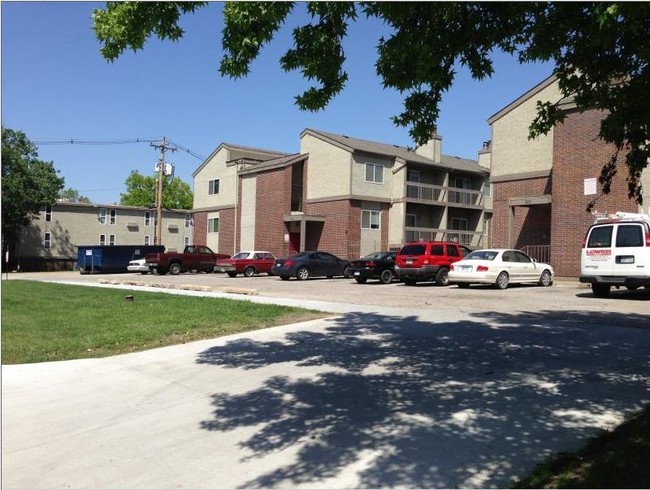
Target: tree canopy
{"type": "Point", "coordinates": [28, 184]}
{"type": "Point", "coordinates": [73, 195]}
{"type": "Point", "coordinates": [600, 52]}
{"type": "Point", "coordinates": [141, 191]}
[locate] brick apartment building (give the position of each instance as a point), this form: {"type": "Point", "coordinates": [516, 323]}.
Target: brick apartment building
{"type": "Point", "coordinates": [340, 194]}
{"type": "Point", "coordinates": [541, 187]}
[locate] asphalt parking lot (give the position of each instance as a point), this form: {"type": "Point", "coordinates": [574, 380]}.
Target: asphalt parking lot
{"type": "Point", "coordinates": [564, 295]}
{"type": "Point", "coordinates": [405, 387]}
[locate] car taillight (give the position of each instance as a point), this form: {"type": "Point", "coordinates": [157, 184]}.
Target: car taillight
{"type": "Point", "coordinates": [482, 268]}
{"type": "Point", "coordinates": [370, 264]}
{"type": "Point", "coordinates": [288, 263]}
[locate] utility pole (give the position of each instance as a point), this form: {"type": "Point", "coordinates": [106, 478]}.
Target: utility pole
{"type": "Point", "coordinates": [163, 146]}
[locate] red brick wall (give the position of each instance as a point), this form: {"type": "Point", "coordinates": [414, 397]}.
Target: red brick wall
{"type": "Point", "coordinates": [531, 225]}
{"type": "Point", "coordinates": [226, 231]}
{"type": "Point", "coordinates": [340, 233]}
{"type": "Point", "coordinates": [273, 202]}
{"type": "Point", "coordinates": [579, 154]}
{"type": "Point", "coordinates": [200, 228]}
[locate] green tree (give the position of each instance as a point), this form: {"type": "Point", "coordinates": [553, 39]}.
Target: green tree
{"type": "Point", "coordinates": [141, 191]}
{"type": "Point", "coordinates": [28, 185]}
{"type": "Point", "coordinates": [73, 195]}
{"type": "Point", "coordinates": [600, 52]}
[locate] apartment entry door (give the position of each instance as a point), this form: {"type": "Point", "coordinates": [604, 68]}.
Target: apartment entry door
{"type": "Point", "coordinates": [294, 242]}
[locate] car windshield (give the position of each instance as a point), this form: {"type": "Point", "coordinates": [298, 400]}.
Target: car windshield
{"type": "Point", "coordinates": [241, 255]}
{"type": "Point", "coordinates": [481, 255]}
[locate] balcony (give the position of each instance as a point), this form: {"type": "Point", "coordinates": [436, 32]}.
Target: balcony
{"type": "Point", "coordinates": [472, 239]}
{"type": "Point", "coordinates": [437, 194]}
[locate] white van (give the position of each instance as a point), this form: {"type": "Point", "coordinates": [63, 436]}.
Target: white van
{"type": "Point", "coordinates": [616, 252]}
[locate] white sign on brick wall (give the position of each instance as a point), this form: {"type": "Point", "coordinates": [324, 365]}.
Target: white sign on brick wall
{"type": "Point", "coordinates": [590, 186]}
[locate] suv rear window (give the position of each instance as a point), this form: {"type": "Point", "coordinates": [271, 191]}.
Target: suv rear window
{"type": "Point", "coordinates": [416, 249]}
{"type": "Point", "coordinates": [600, 237]}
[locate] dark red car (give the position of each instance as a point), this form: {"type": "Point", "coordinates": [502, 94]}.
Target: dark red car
{"type": "Point", "coordinates": [247, 263]}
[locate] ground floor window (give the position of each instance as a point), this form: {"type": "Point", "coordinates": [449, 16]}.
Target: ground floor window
{"type": "Point", "coordinates": [147, 239]}
{"type": "Point", "coordinates": [111, 239]}
{"type": "Point", "coordinates": [369, 219]}
{"type": "Point", "coordinates": [213, 225]}
{"type": "Point", "coordinates": [47, 242]}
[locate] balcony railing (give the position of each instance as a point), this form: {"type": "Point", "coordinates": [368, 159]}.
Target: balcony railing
{"type": "Point", "coordinates": [426, 193]}
{"type": "Point", "coordinates": [472, 239]}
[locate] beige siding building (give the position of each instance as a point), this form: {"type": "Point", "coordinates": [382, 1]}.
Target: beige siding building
{"type": "Point", "coordinates": [50, 242]}
{"type": "Point", "coordinates": [340, 194]}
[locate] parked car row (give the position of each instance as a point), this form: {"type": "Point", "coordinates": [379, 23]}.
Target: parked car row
{"type": "Point", "coordinates": [444, 263]}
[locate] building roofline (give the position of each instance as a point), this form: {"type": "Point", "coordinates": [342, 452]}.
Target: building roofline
{"type": "Point", "coordinates": [230, 146]}
{"type": "Point", "coordinates": [523, 98]}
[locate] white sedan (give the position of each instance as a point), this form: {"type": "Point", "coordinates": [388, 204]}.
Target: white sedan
{"type": "Point", "coordinates": [499, 267]}
{"type": "Point", "coordinates": [138, 265]}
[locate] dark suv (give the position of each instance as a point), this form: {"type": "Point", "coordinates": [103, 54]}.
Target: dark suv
{"type": "Point", "coordinates": [424, 261]}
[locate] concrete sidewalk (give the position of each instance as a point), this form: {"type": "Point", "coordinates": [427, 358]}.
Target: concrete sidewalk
{"type": "Point", "coordinates": [370, 398]}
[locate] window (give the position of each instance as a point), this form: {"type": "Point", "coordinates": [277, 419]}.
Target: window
{"type": "Point", "coordinates": [411, 220]}
{"type": "Point", "coordinates": [47, 242]}
{"type": "Point", "coordinates": [369, 219]}
{"type": "Point", "coordinates": [600, 237]}
{"type": "Point", "coordinates": [102, 239]}
{"type": "Point", "coordinates": [213, 225]}
{"type": "Point", "coordinates": [102, 216]}
{"type": "Point", "coordinates": [147, 239]}
{"type": "Point", "coordinates": [186, 241]}
{"type": "Point", "coordinates": [147, 218]}
{"type": "Point", "coordinates": [188, 220]}
{"type": "Point", "coordinates": [629, 236]}
{"type": "Point", "coordinates": [413, 175]}
{"type": "Point", "coordinates": [213, 186]}
{"type": "Point", "coordinates": [48, 213]}
{"type": "Point", "coordinates": [111, 239]}
{"type": "Point", "coordinates": [113, 216]}
{"type": "Point", "coordinates": [374, 173]}
{"type": "Point", "coordinates": [459, 224]}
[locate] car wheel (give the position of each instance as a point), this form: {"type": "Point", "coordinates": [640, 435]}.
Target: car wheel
{"type": "Point", "coordinates": [361, 280]}
{"type": "Point", "coordinates": [284, 277]}
{"type": "Point", "coordinates": [144, 273]}
{"type": "Point", "coordinates": [249, 271]}
{"type": "Point", "coordinates": [545, 279]}
{"type": "Point", "coordinates": [502, 280]}
{"type": "Point", "coordinates": [442, 277]}
{"type": "Point", "coordinates": [303, 273]}
{"type": "Point", "coordinates": [232, 274]}
{"type": "Point", "coordinates": [346, 272]}
{"type": "Point", "coordinates": [160, 271]}
{"type": "Point", "coordinates": [600, 290]}
{"type": "Point", "coordinates": [175, 269]}
{"type": "Point", "coordinates": [386, 276]}
{"type": "Point", "coordinates": [463, 285]}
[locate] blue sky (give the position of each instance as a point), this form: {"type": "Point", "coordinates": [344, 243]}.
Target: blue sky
{"type": "Point", "coordinates": [56, 86]}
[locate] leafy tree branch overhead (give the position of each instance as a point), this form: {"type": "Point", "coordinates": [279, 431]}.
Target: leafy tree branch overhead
{"type": "Point", "coordinates": [600, 52]}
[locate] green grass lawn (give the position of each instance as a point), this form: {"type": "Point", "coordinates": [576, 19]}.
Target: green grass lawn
{"type": "Point", "coordinates": [55, 322]}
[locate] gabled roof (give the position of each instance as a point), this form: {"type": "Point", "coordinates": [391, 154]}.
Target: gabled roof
{"type": "Point", "coordinates": [393, 151]}
{"type": "Point", "coordinates": [520, 100]}
{"type": "Point", "coordinates": [279, 162]}
{"type": "Point", "coordinates": [229, 146]}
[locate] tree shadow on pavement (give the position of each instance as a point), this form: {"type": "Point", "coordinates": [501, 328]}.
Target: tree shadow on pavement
{"type": "Point", "coordinates": [396, 401]}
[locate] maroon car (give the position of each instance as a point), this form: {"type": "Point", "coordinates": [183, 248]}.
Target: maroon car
{"type": "Point", "coordinates": [247, 263]}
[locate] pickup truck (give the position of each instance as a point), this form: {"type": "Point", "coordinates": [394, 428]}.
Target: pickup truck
{"type": "Point", "coordinates": [194, 257]}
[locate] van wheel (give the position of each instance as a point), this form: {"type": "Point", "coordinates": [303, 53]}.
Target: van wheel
{"type": "Point", "coordinates": [249, 271]}
{"type": "Point", "coordinates": [442, 277]}
{"type": "Point", "coordinates": [175, 269]}
{"type": "Point", "coordinates": [600, 290]}
{"type": "Point", "coordinates": [545, 279]}
{"type": "Point", "coordinates": [386, 276]}
{"type": "Point", "coordinates": [502, 280]}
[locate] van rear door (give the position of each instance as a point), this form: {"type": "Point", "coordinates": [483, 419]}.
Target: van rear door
{"type": "Point", "coordinates": [597, 257]}
{"type": "Point", "coordinates": [628, 255]}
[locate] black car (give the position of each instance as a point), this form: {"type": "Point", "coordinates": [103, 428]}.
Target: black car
{"type": "Point", "coordinates": [378, 265]}
{"type": "Point", "coordinates": [310, 264]}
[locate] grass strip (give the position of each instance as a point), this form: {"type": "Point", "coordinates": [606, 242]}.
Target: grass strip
{"type": "Point", "coordinates": [55, 322]}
